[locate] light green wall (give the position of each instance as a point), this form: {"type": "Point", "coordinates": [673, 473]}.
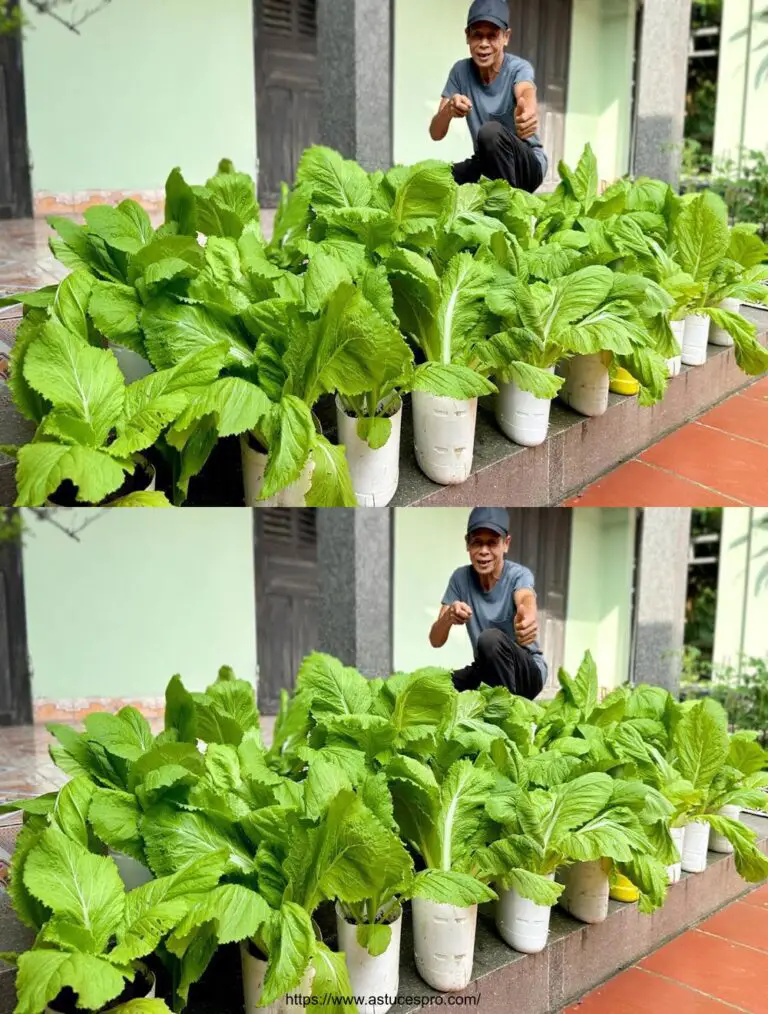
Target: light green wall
{"type": "Point", "coordinates": [429, 545]}
{"type": "Point", "coordinates": [429, 39]}
{"type": "Point", "coordinates": [141, 595]}
{"type": "Point", "coordinates": [599, 617]}
{"type": "Point", "coordinates": [742, 589]}
{"type": "Point", "coordinates": [742, 66]}
{"type": "Point", "coordinates": [146, 86]}
{"type": "Point", "coordinates": [600, 84]}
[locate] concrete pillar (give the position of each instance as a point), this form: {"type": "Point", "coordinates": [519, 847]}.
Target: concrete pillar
{"type": "Point", "coordinates": [662, 78]}
{"type": "Point", "coordinates": [354, 557]}
{"type": "Point", "coordinates": [661, 587]}
{"type": "Point", "coordinates": [354, 54]}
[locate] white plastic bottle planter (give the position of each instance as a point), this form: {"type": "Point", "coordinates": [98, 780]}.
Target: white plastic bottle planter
{"type": "Point", "coordinates": [522, 416]}
{"type": "Point", "coordinates": [674, 871]}
{"type": "Point", "coordinates": [444, 944]}
{"type": "Point", "coordinates": [132, 872]}
{"type": "Point", "coordinates": [149, 980]}
{"type": "Point", "coordinates": [695, 339]}
{"type": "Point", "coordinates": [522, 923]}
{"type": "Point", "coordinates": [254, 467]}
{"type": "Point", "coordinates": [368, 975]}
{"type": "Point", "coordinates": [718, 335]}
{"type": "Point", "coordinates": [695, 842]}
{"type": "Point", "coordinates": [718, 842]}
{"type": "Point", "coordinates": [675, 364]}
{"type": "Point", "coordinates": [254, 973]}
{"type": "Point", "coordinates": [444, 436]}
{"type": "Point", "coordinates": [587, 889]}
{"type": "Point", "coordinates": [132, 365]}
{"type": "Point", "coordinates": [587, 383]}
{"type": "Point", "coordinates": [375, 473]}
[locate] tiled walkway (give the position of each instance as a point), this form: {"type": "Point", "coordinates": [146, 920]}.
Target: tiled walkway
{"type": "Point", "coordinates": [721, 459]}
{"type": "Point", "coordinates": [719, 967]}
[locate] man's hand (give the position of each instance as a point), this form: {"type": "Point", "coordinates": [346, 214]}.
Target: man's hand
{"type": "Point", "coordinates": [459, 613]}
{"type": "Point", "coordinates": [526, 117]}
{"type": "Point", "coordinates": [526, 624]}
{"type": "Point", "coordinates": [460, 107]}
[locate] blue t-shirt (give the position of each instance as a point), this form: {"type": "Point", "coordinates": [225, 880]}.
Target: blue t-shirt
{"type": "Point", "coordinates": [494, 608]}
{"type": "Point", "coordinates": [494, 101]}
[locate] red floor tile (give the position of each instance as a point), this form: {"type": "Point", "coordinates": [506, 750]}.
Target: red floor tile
{"type": "Point", "coordinates": [741, 924]}
{"type": "Point", "coordinates": [742, 417]}
{"type": "Point", "coordinates": [637, 992]}
{"type": "Point", "coordinates": [730, 465]}
{"type": "Point", "coordinates": [758, 897]}
{"type": "Point", "coordinates": [758, 390]}
{"type": "Point", "coordinates": [637, 484]}
{"type": "Point", "coordinates": [726, 971]}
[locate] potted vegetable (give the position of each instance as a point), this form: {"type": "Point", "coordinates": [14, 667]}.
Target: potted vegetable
{"type": "Point", "coordinates": [542, 831]}
{"type": "Point", "coordinates": [446, 317]}
{"type": "Point", "coordinates": [91, 935]}
{"type": "Point", "coordinates": [739, 278]}
{"type": "Point", "coordinates": [447, 892]}
{"type": "Point", "coordinates": [92, 428]}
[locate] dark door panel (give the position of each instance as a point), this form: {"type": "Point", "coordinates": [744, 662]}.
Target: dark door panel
{"type": "Point", "coordinates": [287, 89]}
{"type": "Point", "coordinates": [541, 34]}
{"type": "Point", "coordinates": [287, 596]}
{"type": "Point", "coordinates": [541, 541]}
{"type": "Point", "coordinates": [15, 192]}
{"type": "Point", "coordinates": [15, 682]}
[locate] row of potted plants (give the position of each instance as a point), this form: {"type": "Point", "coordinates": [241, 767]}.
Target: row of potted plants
{"type": "Point", "coordinates": [374, 793]}
{"type": "Point", "coordinates": [163, 341]}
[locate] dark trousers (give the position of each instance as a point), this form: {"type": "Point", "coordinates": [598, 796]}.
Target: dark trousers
{"type": "Point", "coordinates": [501, 155]}
{"type": "Point", "coordinates": [500, 662]}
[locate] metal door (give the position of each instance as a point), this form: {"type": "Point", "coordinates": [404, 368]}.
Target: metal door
{"type": "Point", "coordinates": [15, 683]}
{"type": "Point", "coordinates": [541, 34]}
{"type": "Point", "coordinates": [287, 89]}
{"type": "Point", "coordinates": [541, 541]}
{"type": "Point", "coordinates": [15, 192]}
{"type": "Point", "coordinates": [287, 597]}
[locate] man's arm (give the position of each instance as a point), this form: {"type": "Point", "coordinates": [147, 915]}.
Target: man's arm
{"type": "Point", "coordinates": [458, 106]}
{"type": "Point", "coordinates": [526, 617]}
{"type": "Point", "coordinates": [526, 110]}
{"type": "Point", "coordinates": [455, 614]}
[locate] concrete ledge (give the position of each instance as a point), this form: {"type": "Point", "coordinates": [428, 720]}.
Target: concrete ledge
{"type": "Point", "coordinates": [577, 958]}
{"type": "Point", "coordinates": [578, 450]}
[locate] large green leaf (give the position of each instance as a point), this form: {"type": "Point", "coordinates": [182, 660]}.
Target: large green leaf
{"type": "Point", "coordinates": [114, 310]}
{"type": "Point", "coordinates": [158, 399]}
{"type": "Point", "coordinates": [155, 908]}
{"type": "Point", "coordinates": [291, 940]}
{"type": "Point", "coordinates": [331, 479]}
{"type": "Point", "coordinates": [289, 430]}
{"type": "Point", "coordinates": [701, 235]}
{"type": "Point", "coordinates": [84, 384]}
{"type": "Point", "coordinates": [332, 687]}
{"type": "Point", "coordinates": [451, 888]}
{"type": "Point", "coordinates": [44, 973]}
{"type": "Point", "coordinates": [338, 182]}
{"type": "Point", "coordinates": [701, 742]}
{"type": "Point", "coordinates": [83, 890]}
{"type": "Point", "coordinates": [451, 380]}
{"type": "Point", "coordinates": [42, 467]}
{"type": "Point", "coordinates": [174, 330]}
{"type": "Point", "coordinates": [173, 838]}
{"type": "Point", "coordinates": [114, 816]}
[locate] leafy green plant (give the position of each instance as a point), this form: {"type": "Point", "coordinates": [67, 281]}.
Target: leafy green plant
{"type": "Point", "coordinates": [91, 934]}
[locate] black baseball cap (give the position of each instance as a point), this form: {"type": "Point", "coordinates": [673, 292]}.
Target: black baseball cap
{"type": "Point", "coordinates": [494, 11]}
{"type": "Point", "coordinates": [495, 519]}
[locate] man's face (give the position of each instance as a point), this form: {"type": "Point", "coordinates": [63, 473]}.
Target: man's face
{"type": "Point", "coordinates": [487, 550]}
{"type": "Point", "coordinates": [486, 43]}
